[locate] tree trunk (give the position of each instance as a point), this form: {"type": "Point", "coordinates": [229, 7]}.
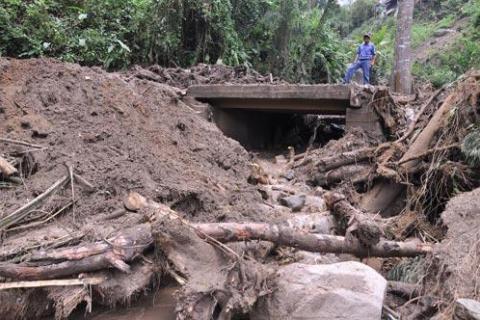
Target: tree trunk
{"type": "Point", "coordinates": [356, 223]}
{"type": "Point", "coordinates": [402, 74]}
{"type": "Point", "coordinates": [353, 173]}
{"type": "Point", "coordinates": [346, 158]}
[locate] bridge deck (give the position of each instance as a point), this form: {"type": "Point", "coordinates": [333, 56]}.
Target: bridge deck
{"type": "Point", "coordinates": [319, 99]}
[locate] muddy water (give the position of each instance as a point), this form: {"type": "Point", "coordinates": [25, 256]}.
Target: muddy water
{"type": "Point", "coordinates": [160, 306]}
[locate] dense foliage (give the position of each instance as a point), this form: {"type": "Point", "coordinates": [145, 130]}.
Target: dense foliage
{"type": "Point", "coordinates": [291, 38]}
{"type": "Point", "coordinates": [299, 40]}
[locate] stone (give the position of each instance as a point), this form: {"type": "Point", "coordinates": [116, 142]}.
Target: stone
{"type": "Point", "coordinates": [289, 175]}
{"type": "Point", "coordinates": [467, 309]}
{"type": "Point", "coordinates": [442, 32]}
{"type": "Point", "coordinates": [134, 201]}
{"type": "Point", "coordinates": [295, 203]}
{"type": "Point", "coordinates": [280, 159]}
{"type": "Point", "coordinates": [343, 291]}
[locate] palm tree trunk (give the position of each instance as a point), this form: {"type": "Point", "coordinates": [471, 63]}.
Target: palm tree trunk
{"type": "Point", "coordinates": [402, 74]}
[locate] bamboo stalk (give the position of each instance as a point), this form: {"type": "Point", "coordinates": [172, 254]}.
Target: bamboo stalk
{"type": "Point", "coordinates": [24, 211]}
{"type": "Point", "coordinates": [52, 283]}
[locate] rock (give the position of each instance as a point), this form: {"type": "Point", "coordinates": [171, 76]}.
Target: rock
{"type": "Point", "coordinates": [467, 309]}
{"type": "Point", "coordinates": [295, 203]}
{"type": "Point", "coordinates": [134, 201]}
{"type": "Point", "coordinates": [442, 32]}
{"type": "Point", "coordinates": [280, 159]}
{"type": "Point", "coordinates": [289, 175]}
{"type": "Point", "coordinates": [347, 290]}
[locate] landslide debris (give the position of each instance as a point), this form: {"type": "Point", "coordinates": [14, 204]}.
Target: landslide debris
{"type": "Point", "coordinates": [120, 134]}
{"type": "Point", "coordinates": [202, 74]}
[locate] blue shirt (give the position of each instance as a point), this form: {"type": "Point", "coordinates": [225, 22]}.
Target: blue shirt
{"type": "Point", "coordinates": [366, 51]}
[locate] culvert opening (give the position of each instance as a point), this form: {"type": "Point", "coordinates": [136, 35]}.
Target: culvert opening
{"type": "Point", "coordinates": [259, 130]}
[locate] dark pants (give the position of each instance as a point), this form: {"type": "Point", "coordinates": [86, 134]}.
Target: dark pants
{"type": "Point", "coordinates": [364, 65]}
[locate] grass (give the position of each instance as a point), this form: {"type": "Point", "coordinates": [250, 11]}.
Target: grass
{"type": "Point", "coordinates": [423, 31]}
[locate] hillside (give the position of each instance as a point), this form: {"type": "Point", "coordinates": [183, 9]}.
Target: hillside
{"type": "Point", "coordinates": [445, 38]}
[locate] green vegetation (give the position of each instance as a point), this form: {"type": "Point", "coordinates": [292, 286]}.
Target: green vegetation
{"type": "Point", "coordinates": [422, 31]}
{"type": "Point", "coordinates": [447, 64]}
{"type": "Point", "coordinates": [290, 38]}
{"type": "Point", "coordinates": [299, 40]}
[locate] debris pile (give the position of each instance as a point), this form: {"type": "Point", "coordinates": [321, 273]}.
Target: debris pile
{"type": "Point", "coordinates": [203, 74]}
{"type": "Point", "coordinates": [110, 186]}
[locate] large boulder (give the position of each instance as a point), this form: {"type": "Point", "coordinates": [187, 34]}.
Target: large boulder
{"type": "Point", "coordinates": [467, 309]}
{"type": "Point", "coordinates": [347, 290]}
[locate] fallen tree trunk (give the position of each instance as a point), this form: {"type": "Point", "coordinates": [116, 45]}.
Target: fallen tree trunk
{"type": "Point", "coordinates": [323, 224]}
{"type": "Point", "coordinates": [134, 241]}
{"type": "Point", "coordinates": [122, 249]}
{"type": "Point", "coordinates": [381, 196]}
{"type": "Point", "coordinates": [346, 158]}
{"type": "Point", "coordinates": [358, 224]}
{"type": "Point", "coordinates": [234, 284]}
{"type": "Point", "coordinates": [75, 253]}
{"type": "Point", "coordinates": [353, 173]}
{"type": "Point", "coordinates": [229, 232]}
{"type": "Point", "coordinates": [326, 243]}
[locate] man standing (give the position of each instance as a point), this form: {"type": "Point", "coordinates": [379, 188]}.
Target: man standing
{"type": "Point", "coordinates": [364, 60]}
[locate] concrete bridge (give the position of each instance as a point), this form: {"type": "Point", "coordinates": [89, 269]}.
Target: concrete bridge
{"type": "Point", "coordinates": [245, 112]}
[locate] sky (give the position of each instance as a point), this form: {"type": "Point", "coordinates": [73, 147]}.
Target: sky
{"type": "Point", "coordinates": [344, 2]}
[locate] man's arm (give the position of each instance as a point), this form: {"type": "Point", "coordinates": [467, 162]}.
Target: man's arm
{"type": "Point", "coordinates": [374, 55]}
{"type": "Point", "coordinates": [357, 55]}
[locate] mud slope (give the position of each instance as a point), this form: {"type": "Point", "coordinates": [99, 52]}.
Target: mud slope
{"type": "Point", "coordinates": [122, 134]}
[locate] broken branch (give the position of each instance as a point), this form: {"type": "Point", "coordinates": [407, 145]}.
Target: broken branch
{"type": "Point", "coordinates": [21, 143]}
{"type": "Point", "coordinates": [6, 168]}
{"type": "Point", "coordinates": [24, 211]}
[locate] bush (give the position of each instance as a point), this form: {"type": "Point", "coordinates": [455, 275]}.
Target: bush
{"type": "Point", "coordinates": [118, 33]}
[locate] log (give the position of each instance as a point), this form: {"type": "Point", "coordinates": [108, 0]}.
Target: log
{"type": "Point", "coordinates": [346, 158]}
{"type": "Point", "coordinates": [327, 243]}
{"type": "Point", "coordinates": [321, 223]}
{"type": "Point", "coordinates": [52, 283]}
{"type": "Point", "coordinates": [412, 126]}
{"type": "Point", "coordinates": [234, 284]}
{"type": "Point", "coordinates": [123, 248]}
{"type": "Point", "coordinates": [132, 242]}
{"type": "Point", "coordinates": [353, 173]}
{"type": "Point", "coordinates": [360, 225]}
{"type": "Point", "coordinates": [73, 253]}
{"type": "Point", "coordinates": [6, 168]}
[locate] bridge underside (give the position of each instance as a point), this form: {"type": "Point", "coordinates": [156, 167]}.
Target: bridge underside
{"type": "Point", "coordinates": [254, 114]}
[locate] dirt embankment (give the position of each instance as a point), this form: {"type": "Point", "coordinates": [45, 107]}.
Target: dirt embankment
{"type": "Point", "coordinates": [122, 136]}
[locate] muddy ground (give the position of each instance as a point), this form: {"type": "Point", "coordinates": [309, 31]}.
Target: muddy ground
{"type": "Point", "coordinates": [121, 134]}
